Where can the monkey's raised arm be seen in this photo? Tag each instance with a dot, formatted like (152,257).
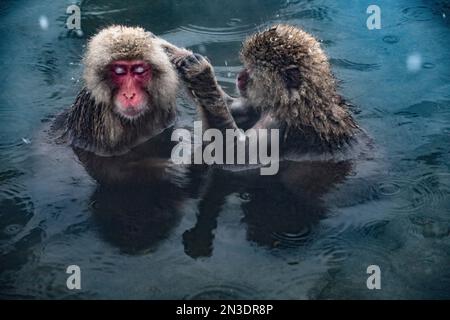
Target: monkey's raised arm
(198,76)
(216,108)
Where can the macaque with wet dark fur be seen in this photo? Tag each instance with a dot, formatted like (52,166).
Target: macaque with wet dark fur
(287,83)
(129,95)
(120,124)
(120,130)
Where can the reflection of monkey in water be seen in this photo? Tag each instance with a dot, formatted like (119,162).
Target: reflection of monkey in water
(287,85)
(273,206)
(120,127)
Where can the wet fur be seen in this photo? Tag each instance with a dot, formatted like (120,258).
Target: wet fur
(292,89)
(92,123)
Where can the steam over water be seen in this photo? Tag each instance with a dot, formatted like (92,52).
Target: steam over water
(265,241)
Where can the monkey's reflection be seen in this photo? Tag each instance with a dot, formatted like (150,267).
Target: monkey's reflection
(138,200)
(287,203)
(136,219)
(140,194)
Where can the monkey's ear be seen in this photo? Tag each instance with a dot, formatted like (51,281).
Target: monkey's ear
(292,77)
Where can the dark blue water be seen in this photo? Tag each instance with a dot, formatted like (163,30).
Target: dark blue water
(393,212)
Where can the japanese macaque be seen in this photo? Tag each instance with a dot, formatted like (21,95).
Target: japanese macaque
(129,95)
(287,83)
(120,128)
(121,123)
(128,102)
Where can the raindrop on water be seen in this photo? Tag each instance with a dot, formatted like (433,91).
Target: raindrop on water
(390,39)
(414,62)
(12,229)
(202,49)
(43,22)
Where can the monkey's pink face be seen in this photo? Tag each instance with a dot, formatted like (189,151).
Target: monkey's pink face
(242,80)
(130,79)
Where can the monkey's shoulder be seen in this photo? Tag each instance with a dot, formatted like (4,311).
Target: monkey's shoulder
(359,146)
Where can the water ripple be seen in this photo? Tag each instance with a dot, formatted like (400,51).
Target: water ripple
(367,239)
(223,34)
(292,240)
(418,13)
(300,10)
(16,209)
(350,65)
(424,268)
(428,227)
(413,194)
(391,39)
(224,292)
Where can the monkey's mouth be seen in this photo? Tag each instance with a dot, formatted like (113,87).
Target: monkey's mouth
(242,81)
(131,112)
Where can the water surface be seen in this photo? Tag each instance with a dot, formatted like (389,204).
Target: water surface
(265,241)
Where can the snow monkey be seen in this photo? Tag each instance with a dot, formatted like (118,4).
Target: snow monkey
(129,94)
(120,128)
(287,83)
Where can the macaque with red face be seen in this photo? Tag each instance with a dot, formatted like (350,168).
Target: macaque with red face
(130,78)
(120,123)
(129,94)
(119,127)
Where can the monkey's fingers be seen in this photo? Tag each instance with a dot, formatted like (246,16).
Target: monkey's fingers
(191,65)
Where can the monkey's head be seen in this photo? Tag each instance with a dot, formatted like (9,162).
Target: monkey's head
(285,64)
(127,70)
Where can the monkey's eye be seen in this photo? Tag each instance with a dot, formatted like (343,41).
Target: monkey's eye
(139,70)
(119,70)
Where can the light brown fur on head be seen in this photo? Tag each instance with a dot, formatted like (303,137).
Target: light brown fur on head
(312,104)
(93,122)
(129,43)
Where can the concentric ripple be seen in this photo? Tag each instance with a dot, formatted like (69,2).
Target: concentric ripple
(224,292)
(418,13)
(391,39)
(292,240)
(225,34)
(15,212)
(428,227)
(414,194)
(366,240)
(350,65)
(302,10)
(425,269)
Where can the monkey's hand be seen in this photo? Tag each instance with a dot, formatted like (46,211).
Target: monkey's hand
(195,70)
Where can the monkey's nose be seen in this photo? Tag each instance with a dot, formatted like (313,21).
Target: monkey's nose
(129,96)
